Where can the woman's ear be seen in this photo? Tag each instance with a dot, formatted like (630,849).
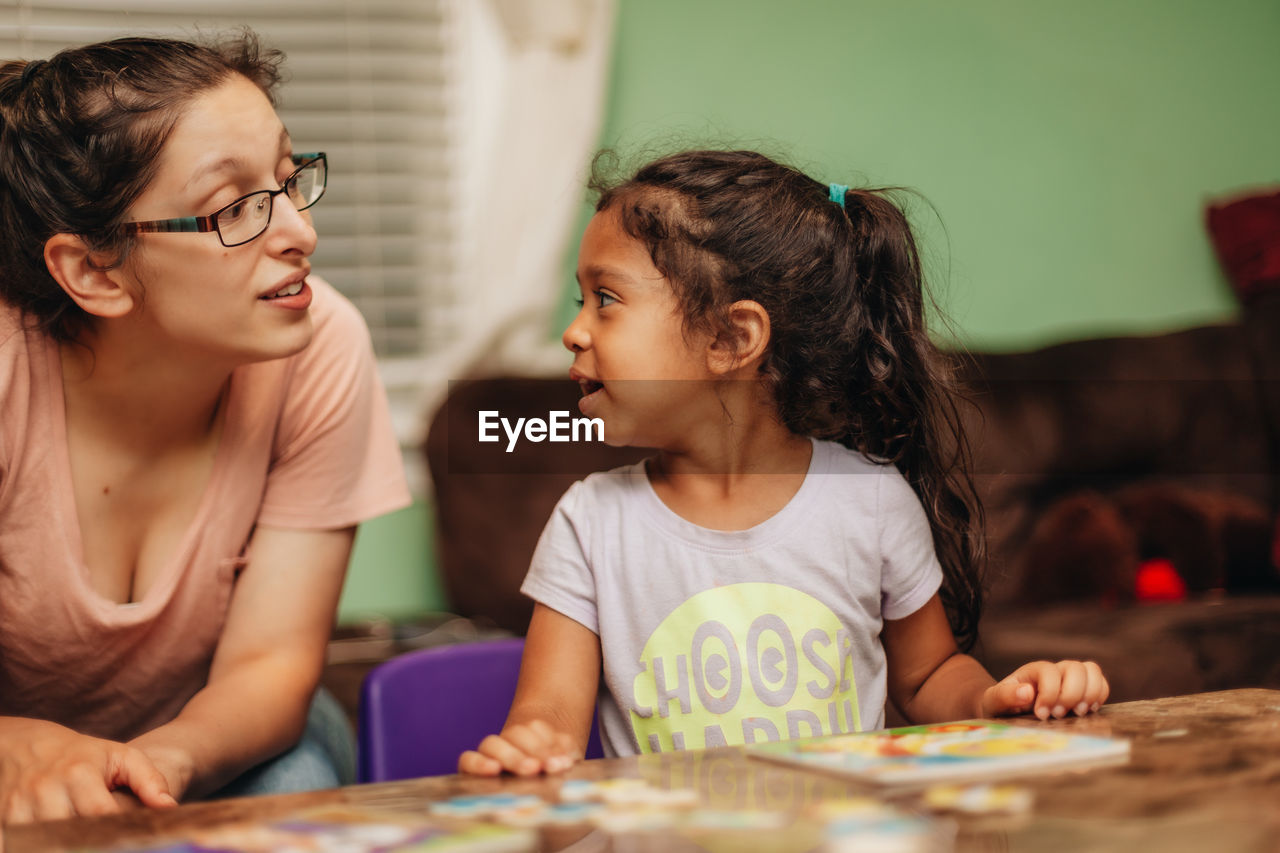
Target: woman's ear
(99,292)
(744,343)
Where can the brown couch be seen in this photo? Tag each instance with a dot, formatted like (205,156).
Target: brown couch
(1092,457)
(1174,435)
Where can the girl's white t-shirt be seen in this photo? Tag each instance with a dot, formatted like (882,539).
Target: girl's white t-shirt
(713,637)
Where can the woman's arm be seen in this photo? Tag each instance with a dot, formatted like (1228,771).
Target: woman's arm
(254,705)
(266,666)
(550,718)
(930,680)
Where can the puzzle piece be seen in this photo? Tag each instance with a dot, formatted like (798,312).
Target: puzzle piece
(867,825)
(484,805)
(550,814)
(343,831)
(635,819)
(979,799)
(577,790)
(882,834)
(623,792)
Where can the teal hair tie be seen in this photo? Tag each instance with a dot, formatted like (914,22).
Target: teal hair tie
(837,193)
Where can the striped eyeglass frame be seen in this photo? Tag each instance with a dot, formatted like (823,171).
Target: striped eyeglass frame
(202,224)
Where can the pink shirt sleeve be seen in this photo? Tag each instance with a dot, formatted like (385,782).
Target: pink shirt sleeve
(336,461)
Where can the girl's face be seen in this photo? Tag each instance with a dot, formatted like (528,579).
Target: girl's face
(638,370)
(194,295)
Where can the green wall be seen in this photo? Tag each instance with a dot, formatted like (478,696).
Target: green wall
(392,572)
(1067,148)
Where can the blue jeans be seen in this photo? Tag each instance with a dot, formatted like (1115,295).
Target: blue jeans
(324,758)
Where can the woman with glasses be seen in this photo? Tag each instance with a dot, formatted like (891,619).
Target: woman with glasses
(191,427)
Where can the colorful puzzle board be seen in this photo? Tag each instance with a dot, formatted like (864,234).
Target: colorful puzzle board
(962,751)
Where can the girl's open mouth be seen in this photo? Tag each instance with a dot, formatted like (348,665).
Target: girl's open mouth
(587,402)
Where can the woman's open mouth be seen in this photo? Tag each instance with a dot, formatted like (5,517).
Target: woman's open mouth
(288,290)
(292,295)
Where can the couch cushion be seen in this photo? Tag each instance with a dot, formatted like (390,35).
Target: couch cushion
(1146,651)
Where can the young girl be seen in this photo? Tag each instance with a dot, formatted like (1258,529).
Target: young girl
(788,561)
(191,427)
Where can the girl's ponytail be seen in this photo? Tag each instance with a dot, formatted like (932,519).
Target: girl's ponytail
(902,395)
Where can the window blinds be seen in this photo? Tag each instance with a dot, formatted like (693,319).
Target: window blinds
(370,82)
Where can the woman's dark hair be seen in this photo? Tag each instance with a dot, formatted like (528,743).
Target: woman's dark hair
(80,137)
(849,359)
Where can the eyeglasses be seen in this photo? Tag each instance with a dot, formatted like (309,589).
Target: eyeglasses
(248,216)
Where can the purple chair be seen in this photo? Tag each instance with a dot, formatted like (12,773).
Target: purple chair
(421,710)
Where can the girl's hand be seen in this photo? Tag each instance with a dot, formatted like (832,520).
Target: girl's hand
(525,749)
(1055,689)
(49,772)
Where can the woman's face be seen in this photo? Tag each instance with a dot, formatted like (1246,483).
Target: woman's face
(195,295)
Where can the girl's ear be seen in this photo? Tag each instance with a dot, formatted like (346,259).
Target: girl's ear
(744,343)
(97,291)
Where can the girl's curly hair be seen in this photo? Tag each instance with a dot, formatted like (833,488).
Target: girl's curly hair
(849,359)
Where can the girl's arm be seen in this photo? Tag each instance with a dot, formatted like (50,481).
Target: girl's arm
(930,680)
(550,719)
(266,666)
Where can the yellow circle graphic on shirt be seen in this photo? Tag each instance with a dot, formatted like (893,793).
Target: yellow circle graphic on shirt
(745,663)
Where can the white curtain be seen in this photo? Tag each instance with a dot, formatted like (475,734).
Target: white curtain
(534,75)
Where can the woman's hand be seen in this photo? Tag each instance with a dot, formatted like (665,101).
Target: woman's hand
(1051,689)
(49,772)
(175,764)
(525,749)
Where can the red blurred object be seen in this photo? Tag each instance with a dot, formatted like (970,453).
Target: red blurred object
(1246,235)
(1158,580)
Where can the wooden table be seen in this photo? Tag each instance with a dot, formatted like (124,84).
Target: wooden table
(1204,774)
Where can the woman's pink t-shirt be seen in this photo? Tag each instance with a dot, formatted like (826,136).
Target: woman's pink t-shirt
(306,444)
